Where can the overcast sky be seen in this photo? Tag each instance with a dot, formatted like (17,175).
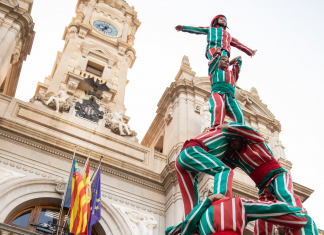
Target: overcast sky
(287,70)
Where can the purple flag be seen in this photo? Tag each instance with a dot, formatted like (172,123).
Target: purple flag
(95,209)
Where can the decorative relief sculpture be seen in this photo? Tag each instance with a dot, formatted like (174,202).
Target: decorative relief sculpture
(277,147)
(6,175)
(242,97)
(169,115)
(205,117)
(139,223)
(206,192)
(15,55)
(254,93)
(60,98)
(115,122)
(72,85)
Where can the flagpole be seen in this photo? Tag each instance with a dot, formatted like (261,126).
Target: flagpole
(63,200)
(95,172)
(90,181)
(85,165)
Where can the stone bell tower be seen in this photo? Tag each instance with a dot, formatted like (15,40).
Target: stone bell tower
(98,43)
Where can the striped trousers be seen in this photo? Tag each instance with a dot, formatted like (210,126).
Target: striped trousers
(234,214)
(224,104)
(281,188)
(189,164)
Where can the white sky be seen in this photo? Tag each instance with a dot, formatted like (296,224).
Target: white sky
(286,70)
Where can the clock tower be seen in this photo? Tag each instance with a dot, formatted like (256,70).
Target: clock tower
(99,44)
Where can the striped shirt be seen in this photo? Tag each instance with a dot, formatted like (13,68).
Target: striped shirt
(221,78)
(218,37)
(215,141)
(255,151)
(231,214)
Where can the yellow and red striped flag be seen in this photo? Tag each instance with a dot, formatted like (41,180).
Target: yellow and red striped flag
(78,201)
(86,215)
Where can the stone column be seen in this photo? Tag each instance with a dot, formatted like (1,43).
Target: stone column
(7,44)
(126,28)
(3,31)
(88,14)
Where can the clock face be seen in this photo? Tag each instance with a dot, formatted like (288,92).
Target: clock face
(105,28)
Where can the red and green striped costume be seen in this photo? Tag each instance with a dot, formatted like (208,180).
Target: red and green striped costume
(201,155)
(222,100)
(230,216)
(217,37)
(257,161)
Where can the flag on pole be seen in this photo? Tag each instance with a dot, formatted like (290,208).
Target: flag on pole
(67,200)
(86,216)
(95,208)
(78,201)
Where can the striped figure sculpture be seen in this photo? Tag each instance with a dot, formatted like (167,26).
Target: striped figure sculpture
(249,151)
(215,216)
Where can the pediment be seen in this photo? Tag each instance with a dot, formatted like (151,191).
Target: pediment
(252,102)
(202,82)
(99,50)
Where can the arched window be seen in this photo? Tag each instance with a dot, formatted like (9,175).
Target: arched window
(40,218)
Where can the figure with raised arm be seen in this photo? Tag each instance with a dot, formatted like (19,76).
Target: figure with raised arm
(218,39)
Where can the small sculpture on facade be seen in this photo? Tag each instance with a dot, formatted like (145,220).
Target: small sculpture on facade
(277,146)
(115,122)
(205,117)
(60,96)
(242,97)
(145,223)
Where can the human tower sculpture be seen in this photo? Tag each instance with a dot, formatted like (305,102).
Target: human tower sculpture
(227,146)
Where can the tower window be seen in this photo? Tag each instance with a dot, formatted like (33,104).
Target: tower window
(94,68)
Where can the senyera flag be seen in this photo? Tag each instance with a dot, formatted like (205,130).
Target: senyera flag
(86,216)
(78,201)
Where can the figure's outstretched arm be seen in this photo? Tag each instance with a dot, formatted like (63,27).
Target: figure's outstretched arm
(240,46)
(190,29)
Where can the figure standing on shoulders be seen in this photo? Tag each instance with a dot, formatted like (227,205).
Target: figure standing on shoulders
(219,40)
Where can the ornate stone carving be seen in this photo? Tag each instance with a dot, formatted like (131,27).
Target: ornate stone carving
(207,191)
(168,116)
(59,100)
(121,50)
(277,147)
(130,57)
(72,85)
(185,61)
(130,39)
(60,187)
(254,93)
(15,55)
(82,33)
(80,14)
(6,175)
(242,97)
(72,31)
(205,117)
(115,122)
(140,223)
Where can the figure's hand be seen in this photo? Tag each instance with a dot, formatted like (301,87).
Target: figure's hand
(254,52)
(233,60)
(179,27)
(216,197)
(225,125)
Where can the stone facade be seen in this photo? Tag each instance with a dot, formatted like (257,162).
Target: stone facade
(16,40)
(140,193)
